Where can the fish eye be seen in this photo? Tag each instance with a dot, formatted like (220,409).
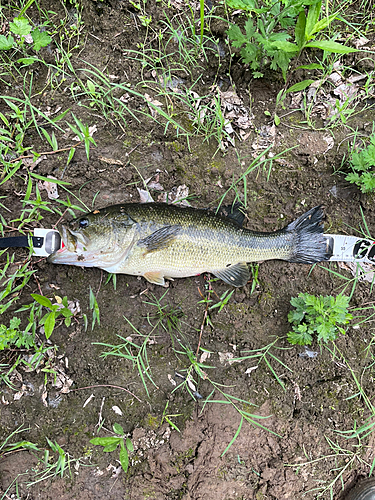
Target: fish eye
(83,223)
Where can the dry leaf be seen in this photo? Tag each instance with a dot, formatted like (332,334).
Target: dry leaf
(144,196)
(111,161)
(50,187)
(117,410)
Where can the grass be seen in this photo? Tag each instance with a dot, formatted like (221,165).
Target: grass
(169,93)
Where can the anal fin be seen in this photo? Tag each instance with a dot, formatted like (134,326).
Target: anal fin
(156,277)
(235,275)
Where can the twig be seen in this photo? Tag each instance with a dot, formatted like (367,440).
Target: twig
(204,319)
(47,152)
(107,385)
(100,414)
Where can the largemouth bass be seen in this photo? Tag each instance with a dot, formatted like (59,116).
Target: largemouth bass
(160,241)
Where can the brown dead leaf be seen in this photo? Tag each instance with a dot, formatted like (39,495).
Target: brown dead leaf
(110,161)
(50,187)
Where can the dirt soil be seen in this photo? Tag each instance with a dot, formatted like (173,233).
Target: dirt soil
(306,397)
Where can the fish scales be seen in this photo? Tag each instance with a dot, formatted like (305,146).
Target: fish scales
(159,241)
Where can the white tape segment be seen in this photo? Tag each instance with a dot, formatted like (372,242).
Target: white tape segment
(351,248)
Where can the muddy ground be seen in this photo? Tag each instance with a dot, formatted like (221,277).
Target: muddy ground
(307,399)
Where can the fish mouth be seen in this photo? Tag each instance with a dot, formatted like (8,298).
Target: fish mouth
(73,250)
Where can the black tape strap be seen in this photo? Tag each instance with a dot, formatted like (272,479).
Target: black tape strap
(21,242)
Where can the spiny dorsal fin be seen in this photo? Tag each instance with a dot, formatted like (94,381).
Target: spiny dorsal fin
(160,239)
(235,275)
(234,212)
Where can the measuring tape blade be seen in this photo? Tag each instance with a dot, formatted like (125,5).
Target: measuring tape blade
(351,248)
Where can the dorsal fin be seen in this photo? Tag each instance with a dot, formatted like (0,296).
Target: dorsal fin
(235,212)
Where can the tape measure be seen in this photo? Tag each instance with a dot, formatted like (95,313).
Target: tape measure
(350,248)
(44,242)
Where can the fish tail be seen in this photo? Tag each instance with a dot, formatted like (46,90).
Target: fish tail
(310,244)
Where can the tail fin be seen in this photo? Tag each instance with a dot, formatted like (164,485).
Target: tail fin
(310,244)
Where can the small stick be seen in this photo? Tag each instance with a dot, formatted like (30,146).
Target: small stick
(204,319)
(107,385)
(47,152)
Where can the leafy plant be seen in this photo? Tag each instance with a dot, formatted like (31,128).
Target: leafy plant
(362,164)
(49,319)
(21,28)
(111,443)
(26,445)
(317,315)
(14,336)
(266,41)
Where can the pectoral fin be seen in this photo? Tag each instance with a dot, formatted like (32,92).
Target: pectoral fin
(156,277)
(160,239)
(235,275)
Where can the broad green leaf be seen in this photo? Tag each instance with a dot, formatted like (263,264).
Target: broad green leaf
(91,86)
(247,5)
(330,46)
(20,26)
(249,28)
(26,61)
(110,447)
(285,46)
(129,444)
(300,29)
(105,441)
(6,43)
(41,39)
(118,429)
(276,120)
(310,66)
(49,324)
(124,458)
(300,86)
(312,18)
(41,299)
(322,24)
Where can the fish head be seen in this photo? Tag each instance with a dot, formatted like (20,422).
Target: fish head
(94,239)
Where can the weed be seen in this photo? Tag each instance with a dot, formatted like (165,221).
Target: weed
(6,446)
(111,443)
(362,164)
(133,352)
(21,28)
(167,417)
(317,315)
(265,354)
(49,319)
(95,309)
(14,336)
(267,41)
(239,405)
(60,467)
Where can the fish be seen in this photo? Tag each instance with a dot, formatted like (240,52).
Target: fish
(161,242)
